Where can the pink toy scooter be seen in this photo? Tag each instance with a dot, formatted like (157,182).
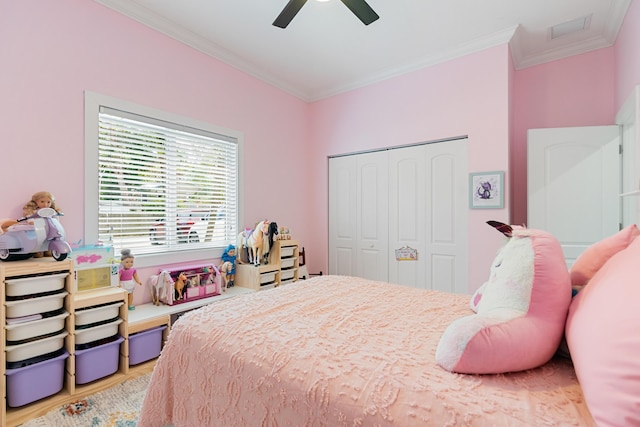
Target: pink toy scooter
(32,234)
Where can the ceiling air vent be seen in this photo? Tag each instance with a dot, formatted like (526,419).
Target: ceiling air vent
(569,27)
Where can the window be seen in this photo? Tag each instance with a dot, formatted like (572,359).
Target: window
(158,183)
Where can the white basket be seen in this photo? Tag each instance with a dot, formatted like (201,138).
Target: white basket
(35,284)
(287,274)
(287,262)
(36,328)
(286,251)
(267,277)
(16,353)
(95,333)
(29,306)
(86,316)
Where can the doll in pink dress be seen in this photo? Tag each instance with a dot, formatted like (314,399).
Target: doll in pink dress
(128,275)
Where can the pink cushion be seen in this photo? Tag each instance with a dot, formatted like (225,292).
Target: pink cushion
(603,334)
(520,315)
(594,257)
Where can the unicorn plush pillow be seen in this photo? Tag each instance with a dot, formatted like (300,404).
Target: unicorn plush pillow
(520,311)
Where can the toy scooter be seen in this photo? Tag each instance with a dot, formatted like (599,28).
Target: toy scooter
(32,234)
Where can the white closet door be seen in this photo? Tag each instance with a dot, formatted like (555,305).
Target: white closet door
(342,215)
(414,196)
(428,212)
(407,207)
(372,208)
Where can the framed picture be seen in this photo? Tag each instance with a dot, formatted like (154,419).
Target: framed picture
(486,190)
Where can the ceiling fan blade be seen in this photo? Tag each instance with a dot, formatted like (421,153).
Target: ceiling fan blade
(290,10)
(362,10)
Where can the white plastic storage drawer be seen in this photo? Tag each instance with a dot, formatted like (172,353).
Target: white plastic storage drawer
(267,277)
(287,262)
(35,284)
(286,251)
(287,274)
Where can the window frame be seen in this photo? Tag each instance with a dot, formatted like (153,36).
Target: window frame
(92,103)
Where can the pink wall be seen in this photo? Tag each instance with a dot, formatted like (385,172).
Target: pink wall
(53,52)
(627,50)
(575,91)
(438,102)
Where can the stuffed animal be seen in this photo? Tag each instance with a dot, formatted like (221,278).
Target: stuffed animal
(520,311)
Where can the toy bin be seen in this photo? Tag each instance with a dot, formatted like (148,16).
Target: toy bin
(35,284)
(97,362)
(145,345)
(35,382)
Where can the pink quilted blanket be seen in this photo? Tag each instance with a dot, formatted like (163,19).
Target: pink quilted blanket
(341,351)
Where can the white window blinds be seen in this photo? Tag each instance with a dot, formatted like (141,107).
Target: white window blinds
(164,187)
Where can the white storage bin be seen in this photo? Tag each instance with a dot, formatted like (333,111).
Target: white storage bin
(287,274)
(287,262)
(89,315)
(267,277)
(16,353)
(36,328)
(286,251)
(35,284)
(29,306)
(95,333)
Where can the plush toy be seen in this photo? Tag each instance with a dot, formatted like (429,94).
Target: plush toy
(520,311)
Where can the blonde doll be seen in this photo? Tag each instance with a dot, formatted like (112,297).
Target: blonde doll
(41,199)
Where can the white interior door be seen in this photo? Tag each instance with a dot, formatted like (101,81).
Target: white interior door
(574,177)
(428,200)
(413,197)
(342,215)
(372,227)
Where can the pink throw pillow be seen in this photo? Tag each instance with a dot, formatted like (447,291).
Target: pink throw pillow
(596,255)
(602,332)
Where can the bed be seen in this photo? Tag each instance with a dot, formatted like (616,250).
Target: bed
(342,351)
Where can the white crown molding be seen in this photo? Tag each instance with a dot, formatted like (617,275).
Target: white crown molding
(477,45)
(566,51)
(152,20)
(613,24)
(511,36)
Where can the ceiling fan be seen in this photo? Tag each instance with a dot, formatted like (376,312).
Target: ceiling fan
(359,7)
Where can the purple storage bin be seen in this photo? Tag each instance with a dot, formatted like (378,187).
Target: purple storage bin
(145,345)
(34,382)
(97,362)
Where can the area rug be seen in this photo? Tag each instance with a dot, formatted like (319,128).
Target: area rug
(118,406)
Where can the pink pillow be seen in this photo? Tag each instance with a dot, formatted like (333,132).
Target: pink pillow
(594,257)
(521,310)
(603,334)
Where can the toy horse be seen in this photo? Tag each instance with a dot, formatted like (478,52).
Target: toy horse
(180,284)
(161,288)
(268,242)
(253,241)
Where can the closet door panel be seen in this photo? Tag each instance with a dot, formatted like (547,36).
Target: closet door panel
(372,216)
(407,226)
(446,216)
(342,215)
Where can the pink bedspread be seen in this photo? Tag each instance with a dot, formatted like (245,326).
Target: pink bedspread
(341,351)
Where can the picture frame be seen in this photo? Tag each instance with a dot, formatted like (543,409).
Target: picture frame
(486,190)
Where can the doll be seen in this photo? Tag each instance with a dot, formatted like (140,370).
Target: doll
(41,199)
(128,275)
(228,266)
